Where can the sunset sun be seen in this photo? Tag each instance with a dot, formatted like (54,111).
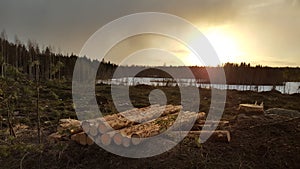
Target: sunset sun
(225,45)
(223,41)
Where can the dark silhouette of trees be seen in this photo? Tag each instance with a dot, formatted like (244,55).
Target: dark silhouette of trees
(56,66)
(4,52)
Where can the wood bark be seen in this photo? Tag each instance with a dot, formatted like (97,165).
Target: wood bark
(138,117)
(69,126)
(128,133)
(82,138)
(153,128)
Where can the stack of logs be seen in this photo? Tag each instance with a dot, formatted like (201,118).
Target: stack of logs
(129,128)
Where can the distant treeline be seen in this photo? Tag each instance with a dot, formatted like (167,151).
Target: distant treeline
(35,62)
(235,73)
(44,64)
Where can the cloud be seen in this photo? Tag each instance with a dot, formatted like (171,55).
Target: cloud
(267,27)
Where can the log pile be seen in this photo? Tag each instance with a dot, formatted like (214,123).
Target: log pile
(131,127)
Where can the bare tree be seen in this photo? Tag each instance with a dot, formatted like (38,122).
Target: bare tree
(36,64)
(18,43)
(4,52)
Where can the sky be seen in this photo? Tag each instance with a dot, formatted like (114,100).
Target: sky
(265,32)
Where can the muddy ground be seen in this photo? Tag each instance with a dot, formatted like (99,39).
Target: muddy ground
(256,142)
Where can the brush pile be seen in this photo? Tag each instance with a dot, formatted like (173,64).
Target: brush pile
(131,127)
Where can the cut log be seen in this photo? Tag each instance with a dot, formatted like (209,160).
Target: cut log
(149,132)
(82,138)
(68,127)
(93,130)
(126,141)
(75,138)
(251,109)
(106,138)
(97,140)
(103,128)
(151,114)
(135,139)
(89,141)
(85,126)
(120,115)
(118,138)
(140,117)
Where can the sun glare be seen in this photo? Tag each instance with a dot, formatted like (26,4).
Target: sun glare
(224,44)
(192,59)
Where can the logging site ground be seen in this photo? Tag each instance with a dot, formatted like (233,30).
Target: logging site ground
(257,141)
